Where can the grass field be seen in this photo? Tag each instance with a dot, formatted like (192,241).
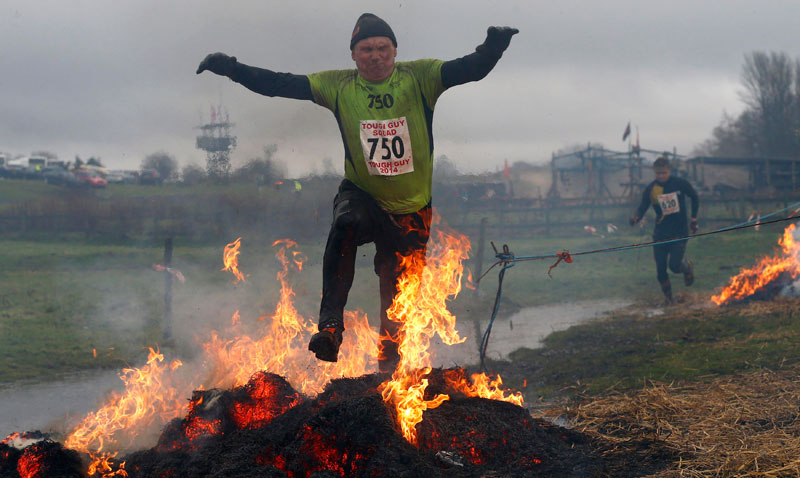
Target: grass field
(687,343)
(74,301)
(65,299)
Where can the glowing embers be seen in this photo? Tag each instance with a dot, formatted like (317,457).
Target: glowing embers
(348,430)
(215,412)
(43,459)
(265,397)
(765,278)
(486,434)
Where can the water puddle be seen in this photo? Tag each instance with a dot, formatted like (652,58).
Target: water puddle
(525,328)
(37,406)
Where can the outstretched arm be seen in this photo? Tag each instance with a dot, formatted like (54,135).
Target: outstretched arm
(643,205)
(478,64)
(259,80)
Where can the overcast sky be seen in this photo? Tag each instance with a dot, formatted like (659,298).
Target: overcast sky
(116,79)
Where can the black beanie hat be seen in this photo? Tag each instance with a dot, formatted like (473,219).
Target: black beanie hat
(369,25)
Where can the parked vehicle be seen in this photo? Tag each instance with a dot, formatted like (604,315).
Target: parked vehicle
(90,178)
(149,176)
(30,162)
(12,171)
(26,167)
(120,177)
(61,177)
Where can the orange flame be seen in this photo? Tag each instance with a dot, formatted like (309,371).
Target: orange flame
(232,357)
(230,257)
(421,307)
(751,280)
(152,394)
(282,349)
(481,386)
(144,400)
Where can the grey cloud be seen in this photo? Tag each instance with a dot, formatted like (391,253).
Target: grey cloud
(116,79)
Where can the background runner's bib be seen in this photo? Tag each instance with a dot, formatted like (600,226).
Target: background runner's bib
(387,147)
(669,203)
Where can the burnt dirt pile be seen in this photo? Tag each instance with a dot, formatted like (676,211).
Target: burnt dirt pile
(267,429)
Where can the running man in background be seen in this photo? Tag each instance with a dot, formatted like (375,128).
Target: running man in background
(667,194)
(385,115)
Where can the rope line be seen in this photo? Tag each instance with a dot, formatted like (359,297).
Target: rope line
(509,260)
(626,247)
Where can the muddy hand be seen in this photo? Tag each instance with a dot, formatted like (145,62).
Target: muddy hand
(218,63)
(498,38)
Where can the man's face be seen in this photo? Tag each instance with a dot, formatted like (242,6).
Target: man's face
(662,174)
(374,57)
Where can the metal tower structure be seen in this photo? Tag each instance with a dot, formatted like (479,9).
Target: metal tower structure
(216,140)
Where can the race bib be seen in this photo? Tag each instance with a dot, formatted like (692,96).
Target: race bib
(669,203)
(387,147)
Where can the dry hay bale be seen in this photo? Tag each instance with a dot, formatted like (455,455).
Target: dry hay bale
(745,425)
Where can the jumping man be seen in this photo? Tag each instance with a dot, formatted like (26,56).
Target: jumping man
(667,194)
(385,115)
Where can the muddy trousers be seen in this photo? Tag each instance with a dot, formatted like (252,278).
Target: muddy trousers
(357,220)
(668,256)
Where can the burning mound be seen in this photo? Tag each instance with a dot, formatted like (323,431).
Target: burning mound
(764,280)
(267,429)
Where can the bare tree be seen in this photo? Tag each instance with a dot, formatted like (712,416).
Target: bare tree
(734,137)
(770,93)
(164,163)
(443,167)
(328,169)
(770,123)
(94,161)
(192,174)
(264,170)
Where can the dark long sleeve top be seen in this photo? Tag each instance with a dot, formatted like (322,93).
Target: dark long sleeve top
(472,67)
(669,203)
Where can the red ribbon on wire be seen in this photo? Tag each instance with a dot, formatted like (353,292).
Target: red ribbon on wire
(562,256)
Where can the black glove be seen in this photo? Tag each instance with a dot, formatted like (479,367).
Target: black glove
(633,220)
(693,225)
(218,63)
(498,38)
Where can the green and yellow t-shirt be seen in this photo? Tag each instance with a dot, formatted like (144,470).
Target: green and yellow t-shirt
(387,129)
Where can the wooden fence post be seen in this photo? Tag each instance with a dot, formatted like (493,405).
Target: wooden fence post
(167,325)
(476,271)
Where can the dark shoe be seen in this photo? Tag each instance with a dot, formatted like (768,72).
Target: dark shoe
(666,288)
(325,344)
(688,273)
